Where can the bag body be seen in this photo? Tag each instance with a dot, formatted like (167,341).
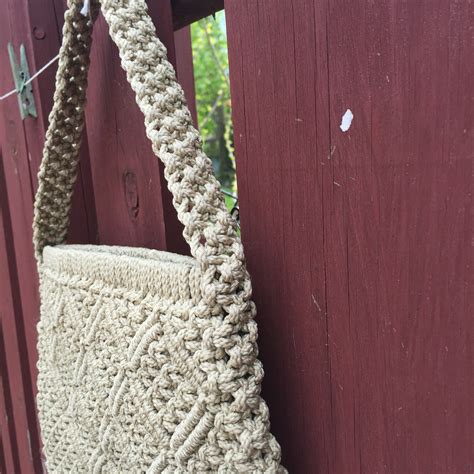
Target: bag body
(147,359)
(127,381)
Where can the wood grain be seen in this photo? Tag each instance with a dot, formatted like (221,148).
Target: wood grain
(358,242)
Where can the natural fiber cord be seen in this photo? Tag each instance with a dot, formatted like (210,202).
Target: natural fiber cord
(147,360)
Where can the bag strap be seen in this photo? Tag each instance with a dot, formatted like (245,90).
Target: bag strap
(59,166)
(209,229)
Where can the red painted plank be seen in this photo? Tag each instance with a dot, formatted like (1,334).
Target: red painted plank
(17,184)
(18,417)
(280,191)
(18,181)
(404,242)
(132,202)
(358,242)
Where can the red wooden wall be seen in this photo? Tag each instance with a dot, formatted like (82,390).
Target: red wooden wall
(358,242)
(120,195)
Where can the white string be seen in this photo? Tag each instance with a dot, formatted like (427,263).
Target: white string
(8,94)
(34,76)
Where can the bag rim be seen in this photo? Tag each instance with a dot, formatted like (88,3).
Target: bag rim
(139,270)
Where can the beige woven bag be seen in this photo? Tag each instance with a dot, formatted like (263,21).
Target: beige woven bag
(147,360)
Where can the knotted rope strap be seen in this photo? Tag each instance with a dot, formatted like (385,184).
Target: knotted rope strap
(59,165)
(208,228)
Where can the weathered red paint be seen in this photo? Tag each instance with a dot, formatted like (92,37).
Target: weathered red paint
(18,414)
(358,242)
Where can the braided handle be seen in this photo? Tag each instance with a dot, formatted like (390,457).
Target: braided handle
(208,228)
(59,166)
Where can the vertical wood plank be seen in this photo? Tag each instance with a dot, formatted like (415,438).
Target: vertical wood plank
(357,241)
(17,184)
(279,144)
(19,426)
(395,179)
(15,157)
(132,201)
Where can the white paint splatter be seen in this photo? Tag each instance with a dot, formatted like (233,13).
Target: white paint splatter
(346,120)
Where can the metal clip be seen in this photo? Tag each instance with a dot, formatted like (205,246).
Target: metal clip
(24,90)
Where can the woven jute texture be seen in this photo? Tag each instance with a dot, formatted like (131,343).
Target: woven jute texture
(147,360)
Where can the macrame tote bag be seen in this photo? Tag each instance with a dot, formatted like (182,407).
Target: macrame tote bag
(147,360)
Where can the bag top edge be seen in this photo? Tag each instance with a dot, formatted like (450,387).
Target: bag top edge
(113,251)
(165,274)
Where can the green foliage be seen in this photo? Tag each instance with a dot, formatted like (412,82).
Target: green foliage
(211,71)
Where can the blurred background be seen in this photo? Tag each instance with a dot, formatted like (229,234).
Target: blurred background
(211,72)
